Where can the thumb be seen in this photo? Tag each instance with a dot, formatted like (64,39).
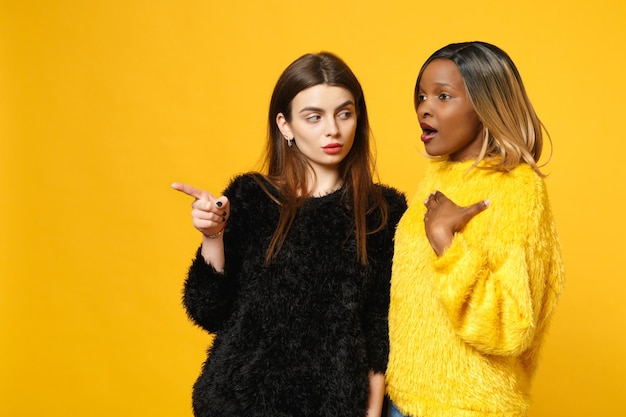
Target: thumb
(476,208)
(223,204)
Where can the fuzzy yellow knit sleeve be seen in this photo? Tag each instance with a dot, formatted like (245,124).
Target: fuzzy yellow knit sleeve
(491,281)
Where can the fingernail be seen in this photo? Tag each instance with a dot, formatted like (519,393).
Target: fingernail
(219,204)
(487,202)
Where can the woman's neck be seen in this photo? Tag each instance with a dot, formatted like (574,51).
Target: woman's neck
(324,184)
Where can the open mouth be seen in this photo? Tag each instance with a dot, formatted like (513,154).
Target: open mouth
(428,132)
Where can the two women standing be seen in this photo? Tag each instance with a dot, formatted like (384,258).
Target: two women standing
(293,274)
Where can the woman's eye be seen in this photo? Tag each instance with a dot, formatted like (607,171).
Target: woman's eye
(345,114)
(421,98)
(313,118)
(444,96)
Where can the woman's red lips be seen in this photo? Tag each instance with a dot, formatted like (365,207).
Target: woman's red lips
(332,148)
(428,132)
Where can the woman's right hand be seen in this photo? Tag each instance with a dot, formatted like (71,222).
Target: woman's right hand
(443,218)
(209,214)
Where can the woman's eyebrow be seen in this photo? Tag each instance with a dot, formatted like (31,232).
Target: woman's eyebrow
(319,109)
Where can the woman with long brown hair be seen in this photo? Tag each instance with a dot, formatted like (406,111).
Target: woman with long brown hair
(293,272)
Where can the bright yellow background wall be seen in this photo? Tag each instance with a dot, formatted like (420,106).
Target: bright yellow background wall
(104,103)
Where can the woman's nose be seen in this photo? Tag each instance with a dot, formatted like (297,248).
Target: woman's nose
(332,128)
(423,110)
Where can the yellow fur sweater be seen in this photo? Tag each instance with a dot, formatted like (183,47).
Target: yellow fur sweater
(466,327)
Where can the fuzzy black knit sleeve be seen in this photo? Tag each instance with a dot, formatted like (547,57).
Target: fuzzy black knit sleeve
(208,296)
(380,255)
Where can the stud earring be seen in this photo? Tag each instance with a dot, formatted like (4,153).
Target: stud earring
(289,142)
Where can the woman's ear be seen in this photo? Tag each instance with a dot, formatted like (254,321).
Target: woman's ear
(283,125)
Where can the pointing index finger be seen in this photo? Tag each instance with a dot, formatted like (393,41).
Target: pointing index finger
(193,191)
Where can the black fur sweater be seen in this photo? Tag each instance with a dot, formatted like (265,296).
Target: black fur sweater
(299,336)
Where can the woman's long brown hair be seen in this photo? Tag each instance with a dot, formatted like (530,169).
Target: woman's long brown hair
(287,168)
